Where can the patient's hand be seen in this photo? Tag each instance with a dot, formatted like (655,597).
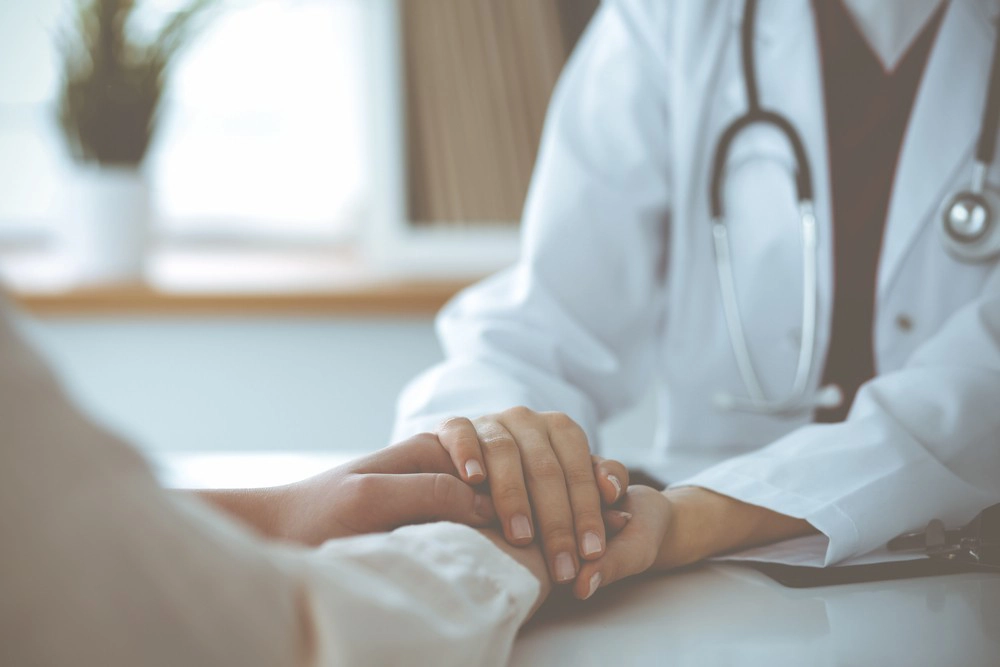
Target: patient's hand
(680,526)
(411,482)
(543,480)
(636,548)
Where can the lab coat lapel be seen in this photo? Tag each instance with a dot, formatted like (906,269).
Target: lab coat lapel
(940,138)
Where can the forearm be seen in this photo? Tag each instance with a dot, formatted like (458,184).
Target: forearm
(260,509)
(705,524)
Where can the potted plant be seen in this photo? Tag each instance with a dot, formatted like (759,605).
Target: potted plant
(114,75)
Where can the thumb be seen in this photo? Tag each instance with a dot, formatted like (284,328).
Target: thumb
(419,454)
(398,500)
(615,521)
(627,554)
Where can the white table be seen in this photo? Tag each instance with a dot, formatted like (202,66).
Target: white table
(729,615)
(716,614)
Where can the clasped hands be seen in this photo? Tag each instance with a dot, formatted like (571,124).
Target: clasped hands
(562,512)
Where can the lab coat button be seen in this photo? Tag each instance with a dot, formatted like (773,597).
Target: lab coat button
(903,322)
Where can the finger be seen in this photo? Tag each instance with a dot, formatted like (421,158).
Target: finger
(389,501)
(612,479)
(627,554)
(546,485)
(422,453)
(569,443)
(615,521)
(506,480)
(458,436)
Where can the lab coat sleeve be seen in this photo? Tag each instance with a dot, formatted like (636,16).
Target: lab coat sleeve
(571,326)
(920,442)
(100,566)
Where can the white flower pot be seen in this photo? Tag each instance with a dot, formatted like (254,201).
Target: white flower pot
(109,213)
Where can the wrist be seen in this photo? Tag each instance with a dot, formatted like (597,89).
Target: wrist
(260,509)
(705,524)
(686,538)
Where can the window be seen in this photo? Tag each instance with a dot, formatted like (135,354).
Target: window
(31,156)
(290,124)
(262,130)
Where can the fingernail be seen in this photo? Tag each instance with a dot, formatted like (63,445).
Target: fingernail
(520,527)
(473,469)
(564,567)
(477,506)
(595,581)
(591,544)
(625,515)
(615,482)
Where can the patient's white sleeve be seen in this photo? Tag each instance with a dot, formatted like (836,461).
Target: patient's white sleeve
(99,566)
(439,594)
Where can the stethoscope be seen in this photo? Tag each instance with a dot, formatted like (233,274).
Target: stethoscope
(967,224)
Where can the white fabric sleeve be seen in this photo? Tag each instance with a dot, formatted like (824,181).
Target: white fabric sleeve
(554,333)
(101,567)
(919,443)
(437,594)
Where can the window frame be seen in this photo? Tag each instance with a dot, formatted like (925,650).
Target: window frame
(390,241)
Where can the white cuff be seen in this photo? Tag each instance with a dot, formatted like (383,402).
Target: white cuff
(826,518)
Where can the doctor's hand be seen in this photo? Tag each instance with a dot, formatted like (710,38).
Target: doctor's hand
(410,482)
(542,479)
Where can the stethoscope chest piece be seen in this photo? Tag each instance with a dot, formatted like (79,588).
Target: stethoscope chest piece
(967,223)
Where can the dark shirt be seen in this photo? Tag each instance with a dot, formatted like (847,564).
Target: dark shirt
(867,111)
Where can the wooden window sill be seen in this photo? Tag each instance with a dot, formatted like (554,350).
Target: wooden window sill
(410,298)
(214,282)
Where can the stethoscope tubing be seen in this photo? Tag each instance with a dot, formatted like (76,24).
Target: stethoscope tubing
(966,248)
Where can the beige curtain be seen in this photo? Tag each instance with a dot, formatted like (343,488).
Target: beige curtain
(479,74)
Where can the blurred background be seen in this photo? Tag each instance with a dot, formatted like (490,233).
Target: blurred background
(231,222)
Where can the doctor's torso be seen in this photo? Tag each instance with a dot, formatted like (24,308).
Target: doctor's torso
(617,287)
(918,286)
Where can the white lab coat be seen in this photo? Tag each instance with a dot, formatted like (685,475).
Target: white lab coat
(616,287)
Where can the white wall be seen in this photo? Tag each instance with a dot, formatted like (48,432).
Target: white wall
(254,384)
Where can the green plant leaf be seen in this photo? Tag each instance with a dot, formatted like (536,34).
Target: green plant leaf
(113,83)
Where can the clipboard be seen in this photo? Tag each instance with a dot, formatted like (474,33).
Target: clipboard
(801,576)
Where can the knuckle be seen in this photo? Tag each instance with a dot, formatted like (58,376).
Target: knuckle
(558,535)
(444,491)
(580,478)
(454,423)
(560,421)
(423,441)
(588,519)
(568,431)
(508,495)
(466,442)
(500,443)
(485,420)
(545,470)
(520,412)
